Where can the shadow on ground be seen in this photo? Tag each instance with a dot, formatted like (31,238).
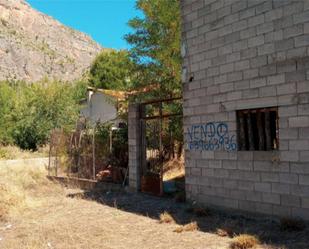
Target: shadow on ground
(267,230)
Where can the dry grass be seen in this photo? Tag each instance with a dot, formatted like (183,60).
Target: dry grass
(166,218)
(174,169)
(13,152)
(10,201)
(290,224)
(16,184)
(225,232)
(187,228)
(244,241)
(42,216)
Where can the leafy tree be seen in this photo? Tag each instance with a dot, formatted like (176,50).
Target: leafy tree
(28,112)
(6,107)
(79,90)
(111,70)
(40,108)
(155,45)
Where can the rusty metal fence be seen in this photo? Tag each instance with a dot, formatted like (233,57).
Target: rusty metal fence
(161,140)
(87,153)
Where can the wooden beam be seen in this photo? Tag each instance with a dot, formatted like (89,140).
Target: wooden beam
(162,116)
(156,101)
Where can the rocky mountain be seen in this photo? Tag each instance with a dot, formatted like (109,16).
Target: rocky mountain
(34,45)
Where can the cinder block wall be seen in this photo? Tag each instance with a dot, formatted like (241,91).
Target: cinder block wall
(240,55)
(134,146)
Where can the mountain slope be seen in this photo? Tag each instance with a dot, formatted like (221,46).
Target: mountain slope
(34,45)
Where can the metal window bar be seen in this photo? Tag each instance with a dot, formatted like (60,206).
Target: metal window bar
(258,129)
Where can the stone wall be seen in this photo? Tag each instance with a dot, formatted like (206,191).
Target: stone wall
(241,55)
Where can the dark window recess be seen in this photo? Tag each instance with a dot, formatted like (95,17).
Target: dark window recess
(257,129)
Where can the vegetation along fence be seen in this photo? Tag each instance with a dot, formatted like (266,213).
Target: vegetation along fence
(98,153)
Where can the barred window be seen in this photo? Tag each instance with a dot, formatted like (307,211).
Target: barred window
(257,129)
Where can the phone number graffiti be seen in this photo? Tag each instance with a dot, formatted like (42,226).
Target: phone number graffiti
(211,136)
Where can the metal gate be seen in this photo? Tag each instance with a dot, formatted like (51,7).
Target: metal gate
(161,136)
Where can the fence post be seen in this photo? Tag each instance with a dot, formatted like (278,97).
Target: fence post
(93,152)
(49,155)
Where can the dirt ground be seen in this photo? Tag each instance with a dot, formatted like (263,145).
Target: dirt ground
(77,223)
(61,218)
(127,221)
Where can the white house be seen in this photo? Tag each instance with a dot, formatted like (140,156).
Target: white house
(101,105)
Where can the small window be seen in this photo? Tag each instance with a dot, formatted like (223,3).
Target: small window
(257,129)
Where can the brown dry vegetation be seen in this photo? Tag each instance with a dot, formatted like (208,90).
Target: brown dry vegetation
(13,152)
(36,213)
(166,218)
(244,241)
(18,189)
(225,232)
(192,226)
(174,169)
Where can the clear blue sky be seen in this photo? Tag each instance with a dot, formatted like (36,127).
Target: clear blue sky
(104,20)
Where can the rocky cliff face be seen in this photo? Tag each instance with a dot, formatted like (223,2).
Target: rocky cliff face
(34,45)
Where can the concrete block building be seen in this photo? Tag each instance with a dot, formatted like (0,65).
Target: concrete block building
(246,104)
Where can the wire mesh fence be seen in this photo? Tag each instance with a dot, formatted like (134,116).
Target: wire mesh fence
(97,153)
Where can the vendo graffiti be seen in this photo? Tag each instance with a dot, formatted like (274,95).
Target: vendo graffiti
(211,136)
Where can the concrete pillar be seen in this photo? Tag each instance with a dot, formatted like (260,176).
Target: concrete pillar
(134,135)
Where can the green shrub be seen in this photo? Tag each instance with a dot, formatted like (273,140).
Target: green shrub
(30,111)
(120,146)
(6,108)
